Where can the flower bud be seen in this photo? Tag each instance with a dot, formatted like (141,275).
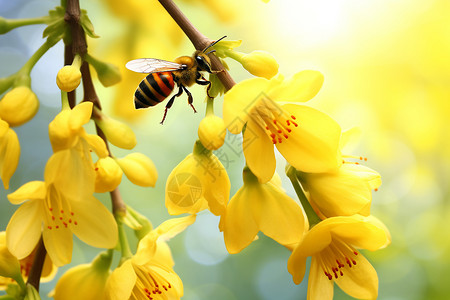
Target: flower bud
(9,153)
(139,169)
(107,73)
(18,106)
(86,281)
(68,78)
(118,133)
(211,132)
(9,264)
(260,63)
(108,175)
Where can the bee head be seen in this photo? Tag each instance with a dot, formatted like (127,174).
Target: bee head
(203,61)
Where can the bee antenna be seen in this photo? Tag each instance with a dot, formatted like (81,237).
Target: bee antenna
(213,43)
(210,51)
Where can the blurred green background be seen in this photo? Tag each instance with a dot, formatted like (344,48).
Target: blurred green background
(387,70)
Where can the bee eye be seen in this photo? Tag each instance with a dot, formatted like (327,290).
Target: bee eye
(202,64)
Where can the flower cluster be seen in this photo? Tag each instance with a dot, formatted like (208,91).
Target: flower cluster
(332,220)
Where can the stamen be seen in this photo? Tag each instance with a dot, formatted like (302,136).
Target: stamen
(331,259)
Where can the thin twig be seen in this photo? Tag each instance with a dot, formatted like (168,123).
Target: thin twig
(199,41)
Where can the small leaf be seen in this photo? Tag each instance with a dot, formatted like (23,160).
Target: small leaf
(87,24)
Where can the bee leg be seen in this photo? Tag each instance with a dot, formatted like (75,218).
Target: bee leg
(190,98)
(205,82)
(169,104)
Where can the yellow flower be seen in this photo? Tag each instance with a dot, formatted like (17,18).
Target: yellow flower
(9,152)
(261,207)
(260,63)
(85,281)
(211,132)
(69,77)
(108,175)
(139,169)
(307,138)
(196,183)
(331,245)
(18,106)
(57,214)
(149,274)
(345,192)
(66,130)
(119,134)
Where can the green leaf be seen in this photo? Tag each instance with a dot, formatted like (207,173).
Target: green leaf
(87,24)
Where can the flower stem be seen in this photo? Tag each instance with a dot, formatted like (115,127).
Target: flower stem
(10,24)
(123,242)
(209,106)
(313,219)
(199,41)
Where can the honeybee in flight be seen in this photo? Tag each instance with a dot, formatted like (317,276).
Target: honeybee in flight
(162,76)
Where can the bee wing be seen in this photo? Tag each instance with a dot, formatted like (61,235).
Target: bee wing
(152,65)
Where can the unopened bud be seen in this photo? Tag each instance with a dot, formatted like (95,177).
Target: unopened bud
(18,106)
(108,175)
(69,77)
(260,63)
(139,169)
(118,133)
(107,73)
(211,132)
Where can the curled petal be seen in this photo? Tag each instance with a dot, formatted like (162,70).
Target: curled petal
(9,156)
(32,190)
(80,115)
(121,282)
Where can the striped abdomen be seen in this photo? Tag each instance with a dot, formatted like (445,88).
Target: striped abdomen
(153,89)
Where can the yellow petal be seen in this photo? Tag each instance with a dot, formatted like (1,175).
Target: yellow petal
(319,286)
(97,144)
(260,63)
(9,265)
(96,225)
(61,137)
(24,229)
(361,280)
(59,244)
(165,231)
(239,228)
(302,87)
(80,115)
(278,215)
(121,282)
(32,190)
(341,193)
(258,151)
(313,145)
(239,101)
(297,267)
(9,156)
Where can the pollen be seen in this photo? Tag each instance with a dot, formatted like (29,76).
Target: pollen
(279,129)
(336,259)
(150,285)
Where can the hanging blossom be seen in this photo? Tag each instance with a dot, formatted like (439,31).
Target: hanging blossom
(198,182)
(63,204)
(345,191)
(332,245)
(270,109)
(261,207)
(149,273)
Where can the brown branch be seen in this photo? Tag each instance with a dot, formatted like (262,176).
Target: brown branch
(34,277)
(199,41)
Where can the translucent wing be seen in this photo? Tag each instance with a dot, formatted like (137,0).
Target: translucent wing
(152,65)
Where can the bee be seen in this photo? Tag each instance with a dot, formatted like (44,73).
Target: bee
(162,76)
